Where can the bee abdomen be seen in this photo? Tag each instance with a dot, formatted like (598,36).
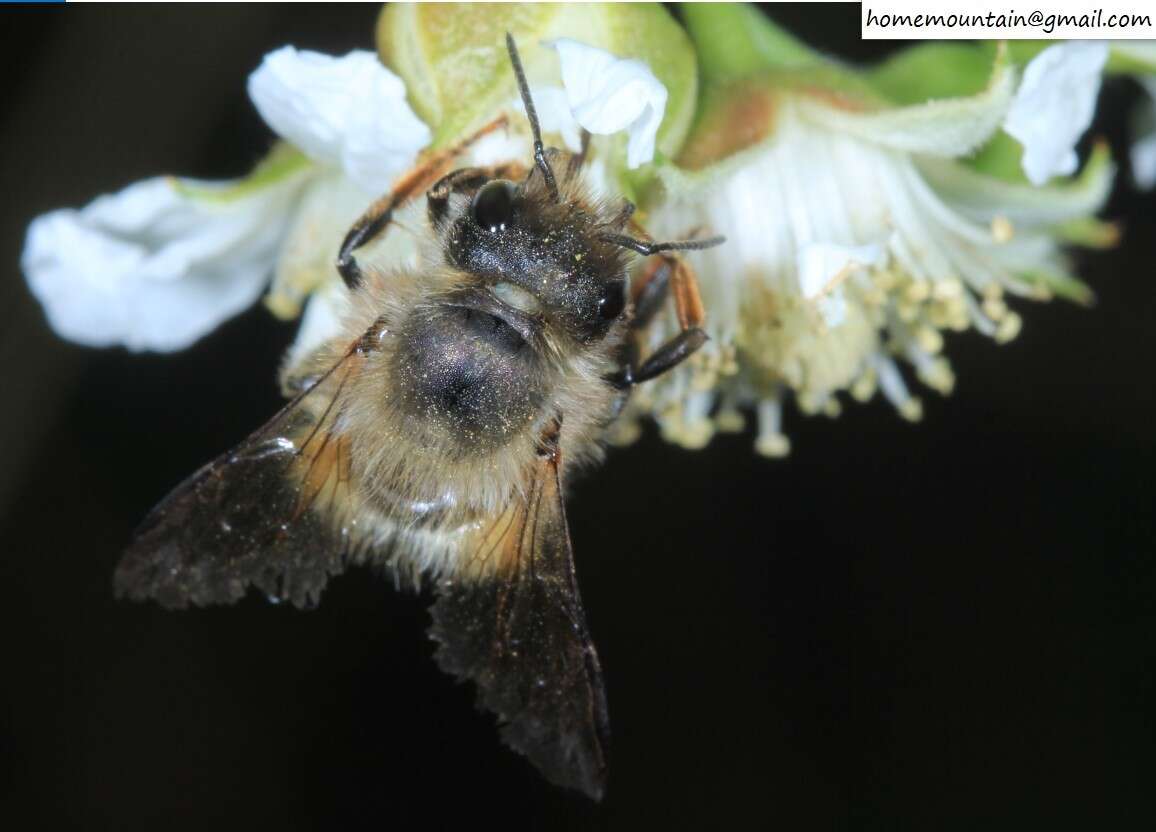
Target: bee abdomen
(468,375)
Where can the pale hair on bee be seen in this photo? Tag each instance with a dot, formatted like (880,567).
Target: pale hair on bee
(433,435)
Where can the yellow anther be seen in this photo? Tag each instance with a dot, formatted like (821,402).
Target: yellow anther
(917,291)
(1002,229)
(911,410)
(929,339)
(1008,328)
(864,387)
(773,445)
(730,420)
(995,308)
(947,289)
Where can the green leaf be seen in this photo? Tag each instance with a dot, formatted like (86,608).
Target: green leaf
(453,59)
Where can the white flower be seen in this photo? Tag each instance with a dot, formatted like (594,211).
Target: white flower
(320,321)
(151,267)
(607,94)
(846,254)
(1143,153)
(161,263)
(554,114)
(1054,106)
(348,112)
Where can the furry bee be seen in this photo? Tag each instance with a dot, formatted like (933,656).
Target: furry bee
(434,435)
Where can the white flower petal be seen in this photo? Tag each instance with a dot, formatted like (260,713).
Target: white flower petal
(150,268)
(497,148)
(350,112)
(1054,106)
(823,268)
(608,94)
(554,115)
(801,207)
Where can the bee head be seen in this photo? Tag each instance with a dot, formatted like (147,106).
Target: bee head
(543,245)
(539,243)
(545,258)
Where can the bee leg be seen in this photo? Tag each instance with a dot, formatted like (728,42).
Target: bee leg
(687,300)
(669,355)
(375,219)
(462,179)
(652,291)
(669,273)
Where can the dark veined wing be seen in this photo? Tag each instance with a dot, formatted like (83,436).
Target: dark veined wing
(267,514)
(513,623)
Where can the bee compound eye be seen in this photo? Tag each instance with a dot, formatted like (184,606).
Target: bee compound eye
(612,301)
(493,206)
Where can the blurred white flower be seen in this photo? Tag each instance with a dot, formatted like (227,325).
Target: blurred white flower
(1054,105)
(1143,152)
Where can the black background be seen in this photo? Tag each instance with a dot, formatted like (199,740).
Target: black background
(947,625)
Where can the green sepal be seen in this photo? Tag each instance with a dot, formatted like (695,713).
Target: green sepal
(1052,206)
(283,161)
(932,71)
(453,59)
(1124,57)
(935,71)
(1088,232)
(1132,58)
(735,40)
(1000,158)
(1059,284)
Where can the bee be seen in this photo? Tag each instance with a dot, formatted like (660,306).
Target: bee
(434,435)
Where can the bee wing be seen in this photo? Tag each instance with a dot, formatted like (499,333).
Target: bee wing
(519,631)
(265,514)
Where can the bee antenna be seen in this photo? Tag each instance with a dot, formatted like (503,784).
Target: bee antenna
(532,114)
(646,248)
